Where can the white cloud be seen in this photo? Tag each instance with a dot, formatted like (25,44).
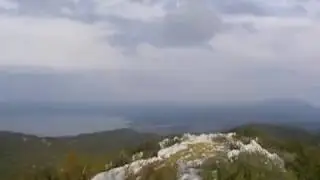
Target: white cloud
(54,42)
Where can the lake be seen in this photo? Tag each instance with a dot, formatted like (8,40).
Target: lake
(59,121)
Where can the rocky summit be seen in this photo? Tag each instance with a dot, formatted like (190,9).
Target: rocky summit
(197,157)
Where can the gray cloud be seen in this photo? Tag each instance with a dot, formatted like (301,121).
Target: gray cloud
(81,9)
(258,8)
(192,25)
(249,7)
(239,7)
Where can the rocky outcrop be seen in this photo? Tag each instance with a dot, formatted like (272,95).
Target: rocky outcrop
(188,153)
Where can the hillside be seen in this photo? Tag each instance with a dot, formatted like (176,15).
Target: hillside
(24,154)
(277,132)
(253,151)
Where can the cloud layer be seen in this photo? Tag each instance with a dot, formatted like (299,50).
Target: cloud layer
(159,50)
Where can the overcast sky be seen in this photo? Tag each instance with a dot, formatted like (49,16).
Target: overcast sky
(159,50)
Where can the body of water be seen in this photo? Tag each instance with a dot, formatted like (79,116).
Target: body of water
(60,124)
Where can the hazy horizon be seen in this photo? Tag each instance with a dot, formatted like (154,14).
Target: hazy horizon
(61,119)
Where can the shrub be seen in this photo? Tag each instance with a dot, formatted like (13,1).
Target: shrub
(245,167)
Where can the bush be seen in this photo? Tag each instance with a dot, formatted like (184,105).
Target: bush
(245,167)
